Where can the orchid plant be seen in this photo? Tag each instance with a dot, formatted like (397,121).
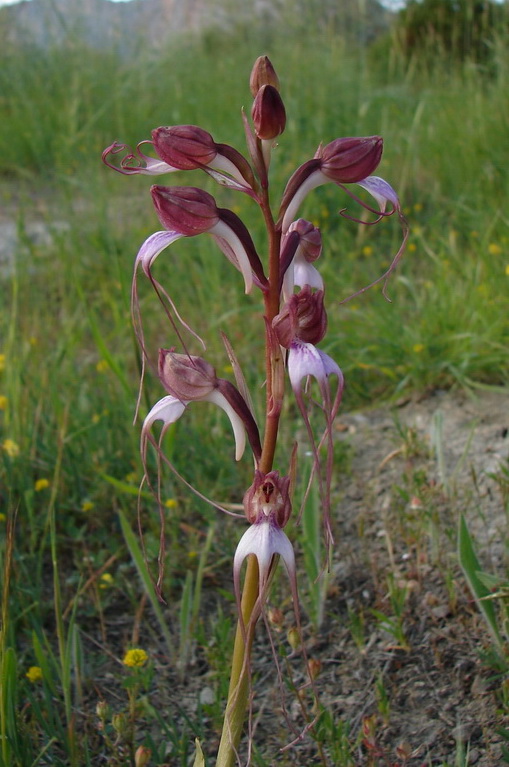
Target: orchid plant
(294,323)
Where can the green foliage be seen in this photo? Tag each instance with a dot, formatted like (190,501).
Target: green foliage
(461,29)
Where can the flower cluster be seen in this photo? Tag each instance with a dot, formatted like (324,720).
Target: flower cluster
(289,284)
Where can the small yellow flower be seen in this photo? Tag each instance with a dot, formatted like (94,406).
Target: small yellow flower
(507,270)
(228,369)
(33,341)
(418,348)
(135,658)
(41,484)
(2,362)
(494,249)
(367,250)
(11,448)
(96,418)
(412,247)
(87,506)
(2,517)
(417,207)
(102,366)
(34,674)
(3,402)
(106,580)
(171,503)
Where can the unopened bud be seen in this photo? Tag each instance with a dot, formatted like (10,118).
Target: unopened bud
(262,73)
(102,710)
(348,160)
(276,617)
(314,667)
(185,209)
(186,377)
(303,317)
(142,756)
(268,496)
(268,113)
(185,147)
(119,723)
(293,637)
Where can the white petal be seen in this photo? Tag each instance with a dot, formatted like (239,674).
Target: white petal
(152,246)
(239,431)
(381,191)
(317,178)
(222,231)
(168,409)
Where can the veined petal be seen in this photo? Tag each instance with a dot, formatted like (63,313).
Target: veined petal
(151,248)
(304,360)
(237,424)
(381,191)
(264,539)
(234,252)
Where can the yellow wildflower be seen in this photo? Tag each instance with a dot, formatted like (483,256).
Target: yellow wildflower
(2,362)
(41,484)
(3,402)
(87,506)
(102,366)
(494,249)
(106,580)
(135,658)
(418,348)
(412,247)
(171,503)
(34,674)
(367,250)
(2,517)
(507,270)
(11,448)
(417,207)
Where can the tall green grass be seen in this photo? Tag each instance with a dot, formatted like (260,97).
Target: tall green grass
(70,362)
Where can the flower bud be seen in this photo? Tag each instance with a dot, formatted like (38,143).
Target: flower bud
(348,160)
(186,377)
(268,497)
(303,317)
(185,209)
(142,756)
(185,147)
(262,73)
(102,710)
(314,667)
(294,638)
(268,113)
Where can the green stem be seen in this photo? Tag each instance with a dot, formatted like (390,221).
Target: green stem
(238,694)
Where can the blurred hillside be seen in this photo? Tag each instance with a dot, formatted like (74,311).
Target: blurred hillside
(103,24)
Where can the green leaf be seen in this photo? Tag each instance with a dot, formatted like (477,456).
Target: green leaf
(199,759)
(470,566)
(139,561)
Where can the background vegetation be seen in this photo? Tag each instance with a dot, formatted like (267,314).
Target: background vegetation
(76,594)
